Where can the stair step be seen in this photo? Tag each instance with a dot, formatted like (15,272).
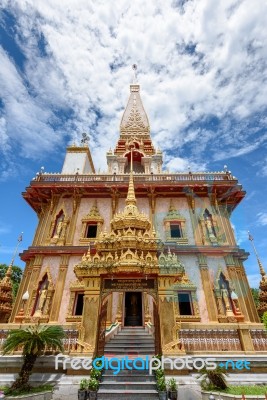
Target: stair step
(127,395)
(125,350)
(129,378)
(129,345)
(128,385)
(132,373)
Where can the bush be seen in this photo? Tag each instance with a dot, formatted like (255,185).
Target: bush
(93,385)
(161,384)
(172,385)
(84,384)
(95,373)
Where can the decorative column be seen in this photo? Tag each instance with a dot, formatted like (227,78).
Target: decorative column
(246,291)
(236,284)
(42,216)
(73,220)
(119,309)
(30,279)
(24,284)
(146,162)
(208,289)
(169,327)
(122,162)
(109,310)
(89,324)
(246,341)
(60,283)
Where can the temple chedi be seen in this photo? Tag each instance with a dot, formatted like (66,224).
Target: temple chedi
(6,296)
(137,246)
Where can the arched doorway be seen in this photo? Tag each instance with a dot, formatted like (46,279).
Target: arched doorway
(131,308)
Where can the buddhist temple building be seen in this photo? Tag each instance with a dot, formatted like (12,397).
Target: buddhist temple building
(137,246)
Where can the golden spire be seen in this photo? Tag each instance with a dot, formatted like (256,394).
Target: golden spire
(6,297)
(134,120)
(262,272)
(131,200)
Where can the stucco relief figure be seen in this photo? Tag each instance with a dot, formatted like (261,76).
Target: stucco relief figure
(225,296)
(42,299)
(134,307)
(209,227)
(219,306)
(59,226)
(59,229)
(235,301)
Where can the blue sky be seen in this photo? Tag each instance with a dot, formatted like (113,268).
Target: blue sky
(65,68)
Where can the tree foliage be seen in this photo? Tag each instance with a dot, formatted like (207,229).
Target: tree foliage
(33,340)
(213,378)
(255,294)
(264,319)
(15,278)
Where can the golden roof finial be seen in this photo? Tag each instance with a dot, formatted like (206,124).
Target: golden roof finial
(131,193)
(262,272)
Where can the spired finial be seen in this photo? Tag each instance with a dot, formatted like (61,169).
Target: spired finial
(262,272)
(134,73)
(131,193)
(16,249)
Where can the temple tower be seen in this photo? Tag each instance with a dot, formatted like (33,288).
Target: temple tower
(137,245)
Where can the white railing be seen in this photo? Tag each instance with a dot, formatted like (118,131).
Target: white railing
(164,177)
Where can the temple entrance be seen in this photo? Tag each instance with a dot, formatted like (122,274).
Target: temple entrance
(133,315)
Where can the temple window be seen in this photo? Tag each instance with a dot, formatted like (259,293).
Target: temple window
(185,303)
(78,306)
(174,226)
(91,231)
(176,230)
(91,224)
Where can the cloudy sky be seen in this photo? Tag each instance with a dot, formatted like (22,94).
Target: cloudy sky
(65,68)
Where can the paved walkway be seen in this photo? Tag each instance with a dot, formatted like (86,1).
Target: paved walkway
(188,392)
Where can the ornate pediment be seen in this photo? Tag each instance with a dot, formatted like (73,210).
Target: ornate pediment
(173,214)
(169,263)
(93,215)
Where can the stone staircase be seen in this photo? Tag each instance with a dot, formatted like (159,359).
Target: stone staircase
(129,384)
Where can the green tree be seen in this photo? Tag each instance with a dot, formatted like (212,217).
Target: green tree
(16,276)
(264,319)
(255,294)
(33,340)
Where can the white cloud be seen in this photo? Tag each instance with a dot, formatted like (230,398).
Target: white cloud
(262,218)
(199,61)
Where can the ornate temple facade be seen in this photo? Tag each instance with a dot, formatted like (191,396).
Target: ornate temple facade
(137,246)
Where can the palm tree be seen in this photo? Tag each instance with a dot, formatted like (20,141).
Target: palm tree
(33,340)
(214,378)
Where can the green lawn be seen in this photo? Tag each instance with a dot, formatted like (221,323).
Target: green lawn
(42,388)
(243,389)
